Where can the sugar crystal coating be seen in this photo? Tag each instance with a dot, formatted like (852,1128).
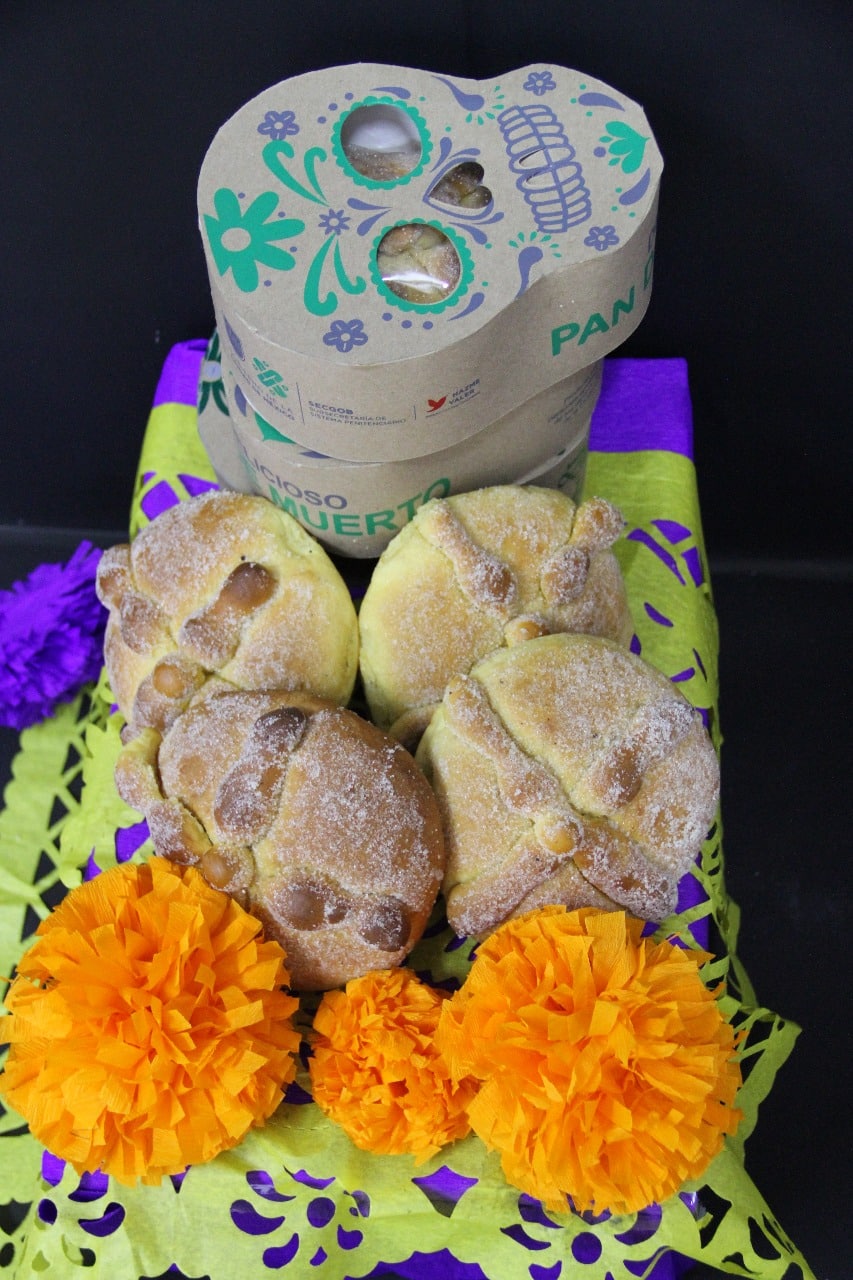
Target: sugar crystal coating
(223,584)
(321,824)
(477,572)
(567,770)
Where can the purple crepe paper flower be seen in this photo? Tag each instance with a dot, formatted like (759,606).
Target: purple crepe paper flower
(51,638)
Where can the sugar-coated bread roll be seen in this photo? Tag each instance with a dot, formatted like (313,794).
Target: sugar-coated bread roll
(568,770)
(480,571)
(224,583)
(318,822)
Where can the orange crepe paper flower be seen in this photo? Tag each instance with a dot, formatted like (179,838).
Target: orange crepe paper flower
(375,1070)
(148,1027)
(607,1069)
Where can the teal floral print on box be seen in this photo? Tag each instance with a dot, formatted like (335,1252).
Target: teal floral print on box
(269,432)
(277,152)
(240,238)
(327,303)
(626,146)
(210,384)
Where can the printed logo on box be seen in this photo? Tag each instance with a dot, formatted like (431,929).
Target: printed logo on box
(452,399)
(270,378)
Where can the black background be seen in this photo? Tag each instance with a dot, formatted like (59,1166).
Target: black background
(106,111)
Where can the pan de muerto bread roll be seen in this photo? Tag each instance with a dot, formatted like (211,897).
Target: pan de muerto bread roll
(319,823)
(477,572)
(567,771)
(224,583)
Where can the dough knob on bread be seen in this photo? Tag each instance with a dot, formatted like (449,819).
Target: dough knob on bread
(480,571)
(223,584)
(318,822)
(567,770)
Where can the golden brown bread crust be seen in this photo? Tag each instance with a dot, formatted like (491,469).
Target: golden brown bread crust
(475,572)
(223,583)
(567,770)
(318,822)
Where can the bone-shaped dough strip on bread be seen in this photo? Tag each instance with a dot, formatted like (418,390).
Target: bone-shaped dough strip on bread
(247,797)
(597,525)
(619,867)
(478,571)
(212,634)
(143,623)
(612,862)
(564,574)
(176,833)
(114,576)
(227,584)
(616,777)
(526,785)
(526,879)
(480,905)
(166,690)
(482,576)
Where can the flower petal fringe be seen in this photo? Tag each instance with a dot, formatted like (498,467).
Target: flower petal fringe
(606,1070)
(52,624)
(149,1030)
(375,1070)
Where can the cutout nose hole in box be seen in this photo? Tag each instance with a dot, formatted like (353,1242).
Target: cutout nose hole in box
(418,263)
(381,141)
(462,187)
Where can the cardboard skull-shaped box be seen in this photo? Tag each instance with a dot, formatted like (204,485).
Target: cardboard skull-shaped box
(398,258)
(403,262)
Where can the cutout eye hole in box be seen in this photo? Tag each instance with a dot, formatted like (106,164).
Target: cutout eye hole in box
(418,263)
(382,142)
